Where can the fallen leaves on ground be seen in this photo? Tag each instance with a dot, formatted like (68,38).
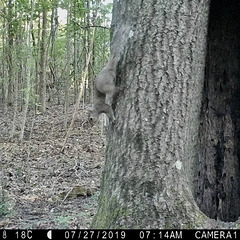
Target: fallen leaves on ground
(41,186)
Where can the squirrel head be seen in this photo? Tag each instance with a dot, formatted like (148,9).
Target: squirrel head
(93,117)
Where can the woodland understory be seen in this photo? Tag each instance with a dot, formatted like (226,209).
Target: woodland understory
(50,52)
(43,187)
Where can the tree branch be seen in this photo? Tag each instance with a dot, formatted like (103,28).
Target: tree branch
(90,26)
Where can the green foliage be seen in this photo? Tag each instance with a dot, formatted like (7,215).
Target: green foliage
(21,25)
(63,221)
(6,207)
(3,209)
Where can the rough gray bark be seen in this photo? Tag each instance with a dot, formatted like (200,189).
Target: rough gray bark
(149,148)
(218,192)
(153,147)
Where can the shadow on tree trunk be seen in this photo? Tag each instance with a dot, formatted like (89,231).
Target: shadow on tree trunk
(218,174)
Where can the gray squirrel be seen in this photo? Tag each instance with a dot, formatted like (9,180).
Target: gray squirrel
(104,84)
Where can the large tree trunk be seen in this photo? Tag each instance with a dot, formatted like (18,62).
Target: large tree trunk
(218,192)
(153,148)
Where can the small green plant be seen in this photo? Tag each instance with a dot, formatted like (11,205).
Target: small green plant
(63,221)
(94,198)
(5,207)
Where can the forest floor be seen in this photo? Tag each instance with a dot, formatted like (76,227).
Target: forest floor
(41,187)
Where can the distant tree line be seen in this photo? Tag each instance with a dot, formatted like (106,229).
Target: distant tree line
(42,60)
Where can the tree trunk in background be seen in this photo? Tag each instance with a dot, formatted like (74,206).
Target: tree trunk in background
(218,193)
(68,62)
(87,40)
(3,63)
(43,61)
(28,70)
(10,52)
(53,58)
(36,45)
(147,180)
(76,44)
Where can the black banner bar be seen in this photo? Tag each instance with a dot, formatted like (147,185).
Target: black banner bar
(87,234)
